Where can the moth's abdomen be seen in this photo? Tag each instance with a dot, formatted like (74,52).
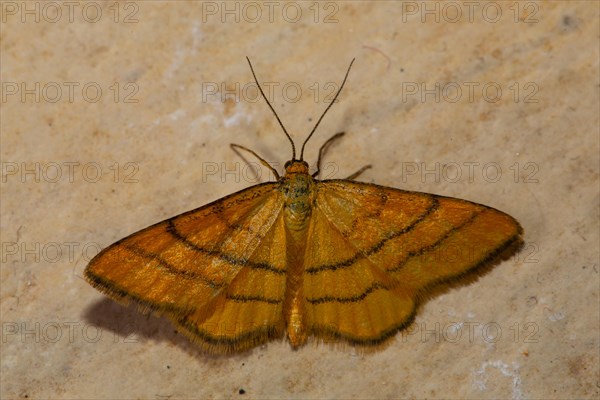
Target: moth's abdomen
(297,215)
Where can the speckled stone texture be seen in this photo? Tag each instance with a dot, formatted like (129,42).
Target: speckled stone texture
(119,115)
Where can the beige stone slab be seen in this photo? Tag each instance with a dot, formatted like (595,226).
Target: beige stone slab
(422,104)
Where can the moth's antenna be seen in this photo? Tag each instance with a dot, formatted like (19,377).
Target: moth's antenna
(272,109)
(327,109)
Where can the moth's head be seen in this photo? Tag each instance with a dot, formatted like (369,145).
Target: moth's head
(296,167)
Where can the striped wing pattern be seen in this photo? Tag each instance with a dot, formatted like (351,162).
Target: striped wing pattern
(218,271)
(381,249)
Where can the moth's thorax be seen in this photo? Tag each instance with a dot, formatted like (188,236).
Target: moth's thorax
(297,186)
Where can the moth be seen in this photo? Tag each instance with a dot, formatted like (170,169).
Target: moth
(336,259)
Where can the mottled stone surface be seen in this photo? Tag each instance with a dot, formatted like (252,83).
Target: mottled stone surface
(494,102)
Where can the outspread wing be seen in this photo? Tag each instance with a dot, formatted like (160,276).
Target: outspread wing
(217,271)
(380,250)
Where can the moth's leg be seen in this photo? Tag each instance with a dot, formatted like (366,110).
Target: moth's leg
(262,160)
(324,149)
(357,173)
